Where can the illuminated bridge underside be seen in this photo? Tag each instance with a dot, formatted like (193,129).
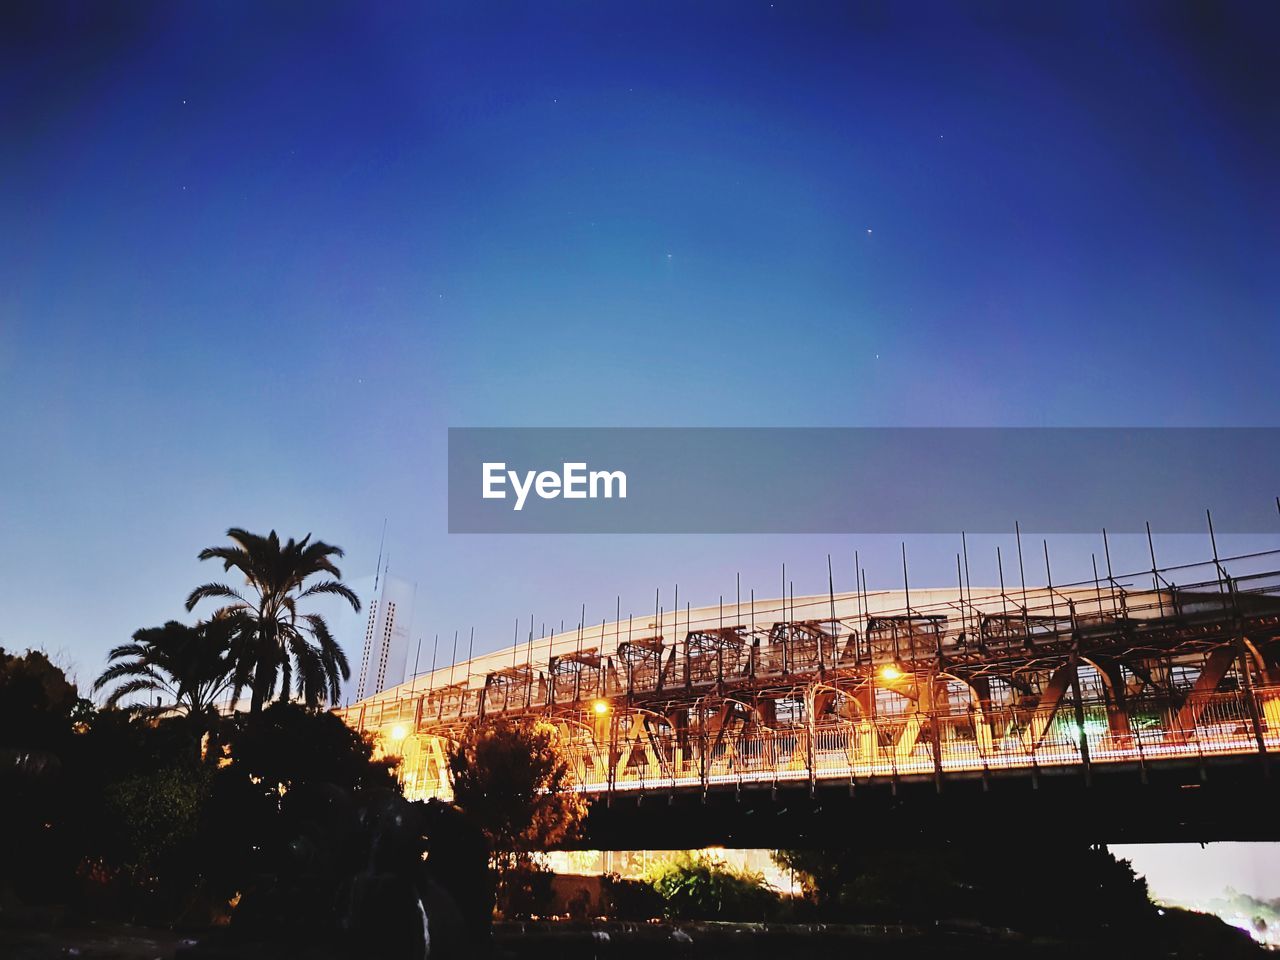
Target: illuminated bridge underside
(862,688)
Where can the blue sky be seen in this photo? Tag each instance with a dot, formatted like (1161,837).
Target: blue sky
(254,261)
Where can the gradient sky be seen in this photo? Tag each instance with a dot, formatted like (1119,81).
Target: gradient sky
(254,261)
(256,258)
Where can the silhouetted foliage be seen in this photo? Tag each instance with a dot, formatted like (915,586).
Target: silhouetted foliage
(513,778)
(187,668)
(629,899)
(458,860)
(965,880)
(38,705)
(277,760)
(1200,934)
(39,710)
(288,744)
(129,824)
(285,644)
(525,890)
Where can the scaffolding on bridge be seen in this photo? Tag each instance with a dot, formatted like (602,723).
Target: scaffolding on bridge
(866,685)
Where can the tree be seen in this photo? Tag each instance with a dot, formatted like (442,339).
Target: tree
(914,882)
(191,666)
(698,887)
(285,745)
(284,642)
(37,703)
(40,710)
(513,779)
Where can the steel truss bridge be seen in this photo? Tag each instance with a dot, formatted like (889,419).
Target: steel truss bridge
(871,689)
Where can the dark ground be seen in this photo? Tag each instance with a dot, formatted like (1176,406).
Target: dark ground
(570,941)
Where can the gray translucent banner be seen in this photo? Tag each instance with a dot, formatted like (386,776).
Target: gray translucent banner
(864,480)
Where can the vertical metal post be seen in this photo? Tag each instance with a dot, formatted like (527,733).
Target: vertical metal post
(791,619)
(431,677)
(861,630)
(1075,692)
(1242,653)
(1022,573)
(871,681)
(688,629)
(528,680)
(1097,584)
(1247,680)
(720,645)
(811,728)
(831,594)
(785,633)
(551,673)
(628,663)
(1004,607)
(906,582)
(1155,576)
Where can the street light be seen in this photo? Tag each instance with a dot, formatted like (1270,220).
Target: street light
(890,672)
(399,732)
(601,707)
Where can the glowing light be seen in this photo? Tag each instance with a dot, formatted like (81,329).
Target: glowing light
(890,672)
(399,732)
(601,707)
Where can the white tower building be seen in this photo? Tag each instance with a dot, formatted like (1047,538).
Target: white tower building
(386,636)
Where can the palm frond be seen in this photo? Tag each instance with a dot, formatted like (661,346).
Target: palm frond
(330,647)
(230,557)
(336,588)
(127,650)
(130,688)
(128,668)
(206,590)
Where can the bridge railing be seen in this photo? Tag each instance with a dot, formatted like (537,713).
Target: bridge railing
(956,741)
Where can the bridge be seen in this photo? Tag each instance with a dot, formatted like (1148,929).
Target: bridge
(1073,701)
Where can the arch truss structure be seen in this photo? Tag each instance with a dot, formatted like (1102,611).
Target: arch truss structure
(1179,664)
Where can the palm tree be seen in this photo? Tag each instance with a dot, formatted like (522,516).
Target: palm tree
(284,642)
(191,666)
